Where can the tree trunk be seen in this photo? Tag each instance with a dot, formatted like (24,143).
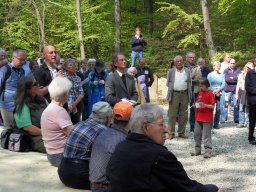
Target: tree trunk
(40,22)
(117,25)
(207,28)
(151,12)
(80,30)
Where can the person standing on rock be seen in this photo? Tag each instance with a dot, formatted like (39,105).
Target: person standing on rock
(178,95)
(250,87)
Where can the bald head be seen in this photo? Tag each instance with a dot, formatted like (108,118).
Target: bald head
(50,55)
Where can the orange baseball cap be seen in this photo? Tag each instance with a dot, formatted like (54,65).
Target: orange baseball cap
(122,111)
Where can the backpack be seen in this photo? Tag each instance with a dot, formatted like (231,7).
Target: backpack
(6,76)
(15,139)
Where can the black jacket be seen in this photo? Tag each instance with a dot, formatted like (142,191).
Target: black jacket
(115,90)
(140,165)
(149,77)
(250,87)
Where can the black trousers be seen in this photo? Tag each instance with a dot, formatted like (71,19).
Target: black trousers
(252,121)
(74,173)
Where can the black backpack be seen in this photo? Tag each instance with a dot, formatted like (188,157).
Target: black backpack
(6,76)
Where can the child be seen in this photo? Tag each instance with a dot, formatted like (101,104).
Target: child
(204,116)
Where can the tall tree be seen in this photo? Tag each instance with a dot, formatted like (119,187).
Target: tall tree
(40,21)
(207,28)
(117,25)
(80,31)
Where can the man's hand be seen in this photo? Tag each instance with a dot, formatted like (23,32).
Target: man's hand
(102,82)
(60,73)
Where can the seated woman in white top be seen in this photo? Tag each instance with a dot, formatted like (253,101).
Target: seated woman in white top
(55,121)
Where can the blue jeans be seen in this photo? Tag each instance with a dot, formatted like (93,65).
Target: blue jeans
(227,102)
(135,55)
(217,112)
(104,189)
(243,115)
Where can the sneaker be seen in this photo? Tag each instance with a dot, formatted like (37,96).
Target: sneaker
(183,136)
(207,155)
(171,136)
(240,126)
(195,153)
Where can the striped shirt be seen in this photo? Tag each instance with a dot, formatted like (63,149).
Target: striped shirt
(81,138)
(102,150)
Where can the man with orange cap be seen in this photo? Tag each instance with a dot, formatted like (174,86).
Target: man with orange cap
(105,144)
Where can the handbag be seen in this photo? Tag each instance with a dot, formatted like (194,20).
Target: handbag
(5,134)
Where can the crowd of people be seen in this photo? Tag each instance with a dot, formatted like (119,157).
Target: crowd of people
(95,122)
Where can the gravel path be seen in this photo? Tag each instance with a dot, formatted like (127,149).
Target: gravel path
(233,168)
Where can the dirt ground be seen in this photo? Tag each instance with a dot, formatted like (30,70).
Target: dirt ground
(233,168)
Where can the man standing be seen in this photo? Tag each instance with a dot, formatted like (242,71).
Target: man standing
(225,63)
(145,71)
(196,76)
(141,163)
(250,87)
(137,44)
(48,71)
(178,95)
(231,76)
(3,59)
(10,75)
(105,144)
(204,70)
(120,85)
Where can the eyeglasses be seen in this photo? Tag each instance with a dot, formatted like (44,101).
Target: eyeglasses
(162,125)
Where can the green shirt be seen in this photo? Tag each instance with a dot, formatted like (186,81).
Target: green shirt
(24,118)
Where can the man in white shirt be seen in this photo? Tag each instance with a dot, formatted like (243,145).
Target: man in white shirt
(179,93)
(225,63)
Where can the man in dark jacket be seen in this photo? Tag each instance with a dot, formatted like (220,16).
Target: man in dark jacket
(149,77)
(142,164)
(120,85)
(250,87)
(137,44)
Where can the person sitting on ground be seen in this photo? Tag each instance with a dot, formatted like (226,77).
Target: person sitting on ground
(204,114)
(29,107)
(55,121)
(141,97)
(105,144)
(74,168)
(141,162)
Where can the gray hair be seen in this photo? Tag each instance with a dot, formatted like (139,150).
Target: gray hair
(216,63)
(19,51)
(130,69)
(144,113)
(2,51)
(68,61)
(178,57)
(59,87)
(200,59)
(189,53)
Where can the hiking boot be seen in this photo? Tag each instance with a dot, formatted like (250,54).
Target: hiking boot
(252,142)
(240,126)
(207,155)
(195,153)
(183,136)
(171,136)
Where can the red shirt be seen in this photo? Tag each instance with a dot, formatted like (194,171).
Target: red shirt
(205,114)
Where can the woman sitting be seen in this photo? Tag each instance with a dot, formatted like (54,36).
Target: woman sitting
(55,121)
(29,108)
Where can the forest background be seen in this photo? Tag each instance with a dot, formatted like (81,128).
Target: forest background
(170,27)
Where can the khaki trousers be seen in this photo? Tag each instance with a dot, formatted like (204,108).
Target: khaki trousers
(179,104)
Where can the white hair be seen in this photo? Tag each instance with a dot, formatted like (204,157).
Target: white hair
(144,113)
(59,87)
(2,51)
(130,69)
(178,57)
(216,63)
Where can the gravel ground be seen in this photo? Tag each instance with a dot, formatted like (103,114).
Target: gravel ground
(233,168)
